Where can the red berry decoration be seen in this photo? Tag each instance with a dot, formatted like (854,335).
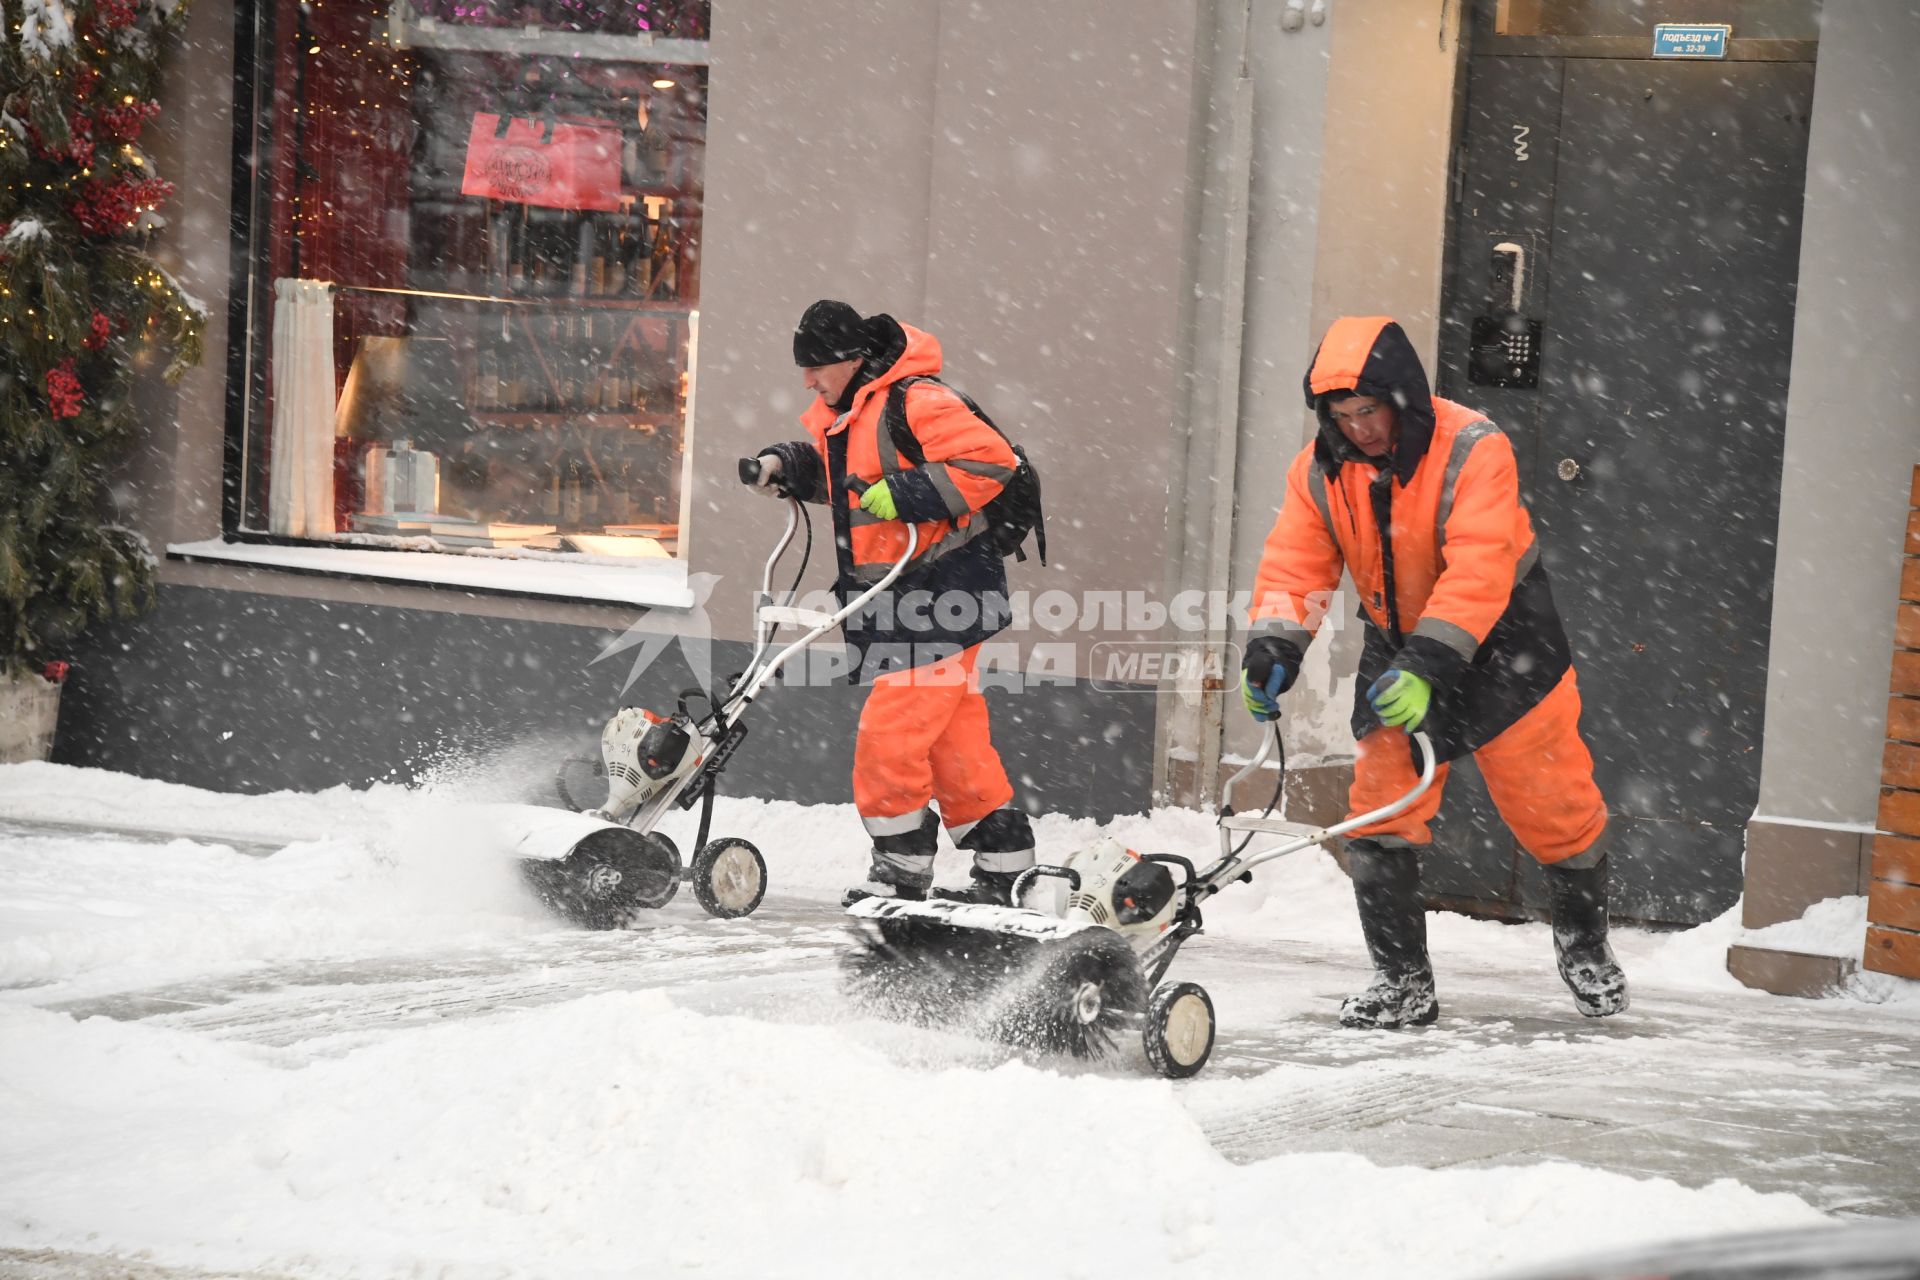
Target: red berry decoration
(125,121)
(108,208)
(64,392)
(115,14)
(98,332)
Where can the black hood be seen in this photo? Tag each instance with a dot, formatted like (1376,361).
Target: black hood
(1390,370)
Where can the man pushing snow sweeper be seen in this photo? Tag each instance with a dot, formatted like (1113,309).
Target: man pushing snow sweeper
(894,448)
(1419,499)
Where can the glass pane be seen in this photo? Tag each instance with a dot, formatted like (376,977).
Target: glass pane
(1753,19)
(512,228)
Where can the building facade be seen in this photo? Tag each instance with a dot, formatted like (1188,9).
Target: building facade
(431,508)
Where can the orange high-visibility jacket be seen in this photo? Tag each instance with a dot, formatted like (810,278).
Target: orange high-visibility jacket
(967,463)
(954,593)
(1453,589)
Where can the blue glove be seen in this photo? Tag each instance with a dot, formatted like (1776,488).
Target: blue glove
(1262,678)
(1263,701)
(1400,699)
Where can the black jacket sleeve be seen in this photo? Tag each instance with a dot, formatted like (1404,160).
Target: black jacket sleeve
(803,471)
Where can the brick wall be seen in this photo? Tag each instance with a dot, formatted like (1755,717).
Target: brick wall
(1893,898)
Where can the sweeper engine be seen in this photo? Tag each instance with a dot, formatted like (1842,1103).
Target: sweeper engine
(1063,978)
(644,754)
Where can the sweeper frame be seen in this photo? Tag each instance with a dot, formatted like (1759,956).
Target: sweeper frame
(599,866)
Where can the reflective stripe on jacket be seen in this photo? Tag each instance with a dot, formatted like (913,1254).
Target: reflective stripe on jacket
(954,592)
(1455,590)
(1461,539)
(967,463)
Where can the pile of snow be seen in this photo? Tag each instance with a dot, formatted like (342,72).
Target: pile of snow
(392,870)
(620,1135)
(1831,927)
(1837,927)
(625,1133)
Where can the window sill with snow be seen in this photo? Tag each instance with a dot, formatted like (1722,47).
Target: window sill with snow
(651,583)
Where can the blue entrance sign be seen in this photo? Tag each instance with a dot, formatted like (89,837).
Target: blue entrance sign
(1691,40)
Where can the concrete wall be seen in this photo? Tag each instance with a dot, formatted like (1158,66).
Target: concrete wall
(253,681)
(1383,184)
(175,475)
(1014,180)
(1853,422)
(1360,211)
(1292,70)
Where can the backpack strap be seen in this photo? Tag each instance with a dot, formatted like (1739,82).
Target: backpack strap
(895,416)
(907,445)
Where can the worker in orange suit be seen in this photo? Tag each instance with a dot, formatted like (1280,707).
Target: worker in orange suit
(924,755)
(1419,498)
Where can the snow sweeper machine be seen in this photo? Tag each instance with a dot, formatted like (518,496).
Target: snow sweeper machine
(1078,964)
(600,867)
(1076,967)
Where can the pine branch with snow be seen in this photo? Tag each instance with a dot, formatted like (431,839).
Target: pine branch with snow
(85,310)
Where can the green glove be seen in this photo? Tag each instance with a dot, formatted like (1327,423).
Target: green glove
(1400,699)
(878,500)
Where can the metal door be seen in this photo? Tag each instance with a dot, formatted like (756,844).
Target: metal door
(1646,214)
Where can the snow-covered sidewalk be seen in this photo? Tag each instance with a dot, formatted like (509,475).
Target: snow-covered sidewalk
(370,1054)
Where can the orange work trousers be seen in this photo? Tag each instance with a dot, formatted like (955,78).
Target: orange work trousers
(923,738)
(1538,771)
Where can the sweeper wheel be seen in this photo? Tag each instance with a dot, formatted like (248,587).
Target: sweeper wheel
(729,877)
(1081,992)
(607,878)
(1178,1030)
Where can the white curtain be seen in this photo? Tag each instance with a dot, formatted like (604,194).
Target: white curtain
(300,471)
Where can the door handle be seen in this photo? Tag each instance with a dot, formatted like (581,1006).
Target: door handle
(1568,470)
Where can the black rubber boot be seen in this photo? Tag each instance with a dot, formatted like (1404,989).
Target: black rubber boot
(902,864)
(1580,943)
(1393,918)
(1002,847)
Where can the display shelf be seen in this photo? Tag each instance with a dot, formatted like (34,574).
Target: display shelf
(452,201)
(649,422)
(665,308)
(407,29)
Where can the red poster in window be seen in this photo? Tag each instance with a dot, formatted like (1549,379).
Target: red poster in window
(554,164)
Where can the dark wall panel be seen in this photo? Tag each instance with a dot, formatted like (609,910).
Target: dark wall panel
(236,691)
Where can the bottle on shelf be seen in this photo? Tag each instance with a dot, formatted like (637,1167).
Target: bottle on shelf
(521,277)
(513,389)
(549,391)
(613,383)
(486,379)
(597,270)
(583,255)
(500,248)
(665,282)
(553,462)
(640,259)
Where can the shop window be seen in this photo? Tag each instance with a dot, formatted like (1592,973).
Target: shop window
(474,274)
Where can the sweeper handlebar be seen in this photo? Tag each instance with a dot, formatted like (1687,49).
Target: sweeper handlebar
(750,469)
(769,617)
(1233,865)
